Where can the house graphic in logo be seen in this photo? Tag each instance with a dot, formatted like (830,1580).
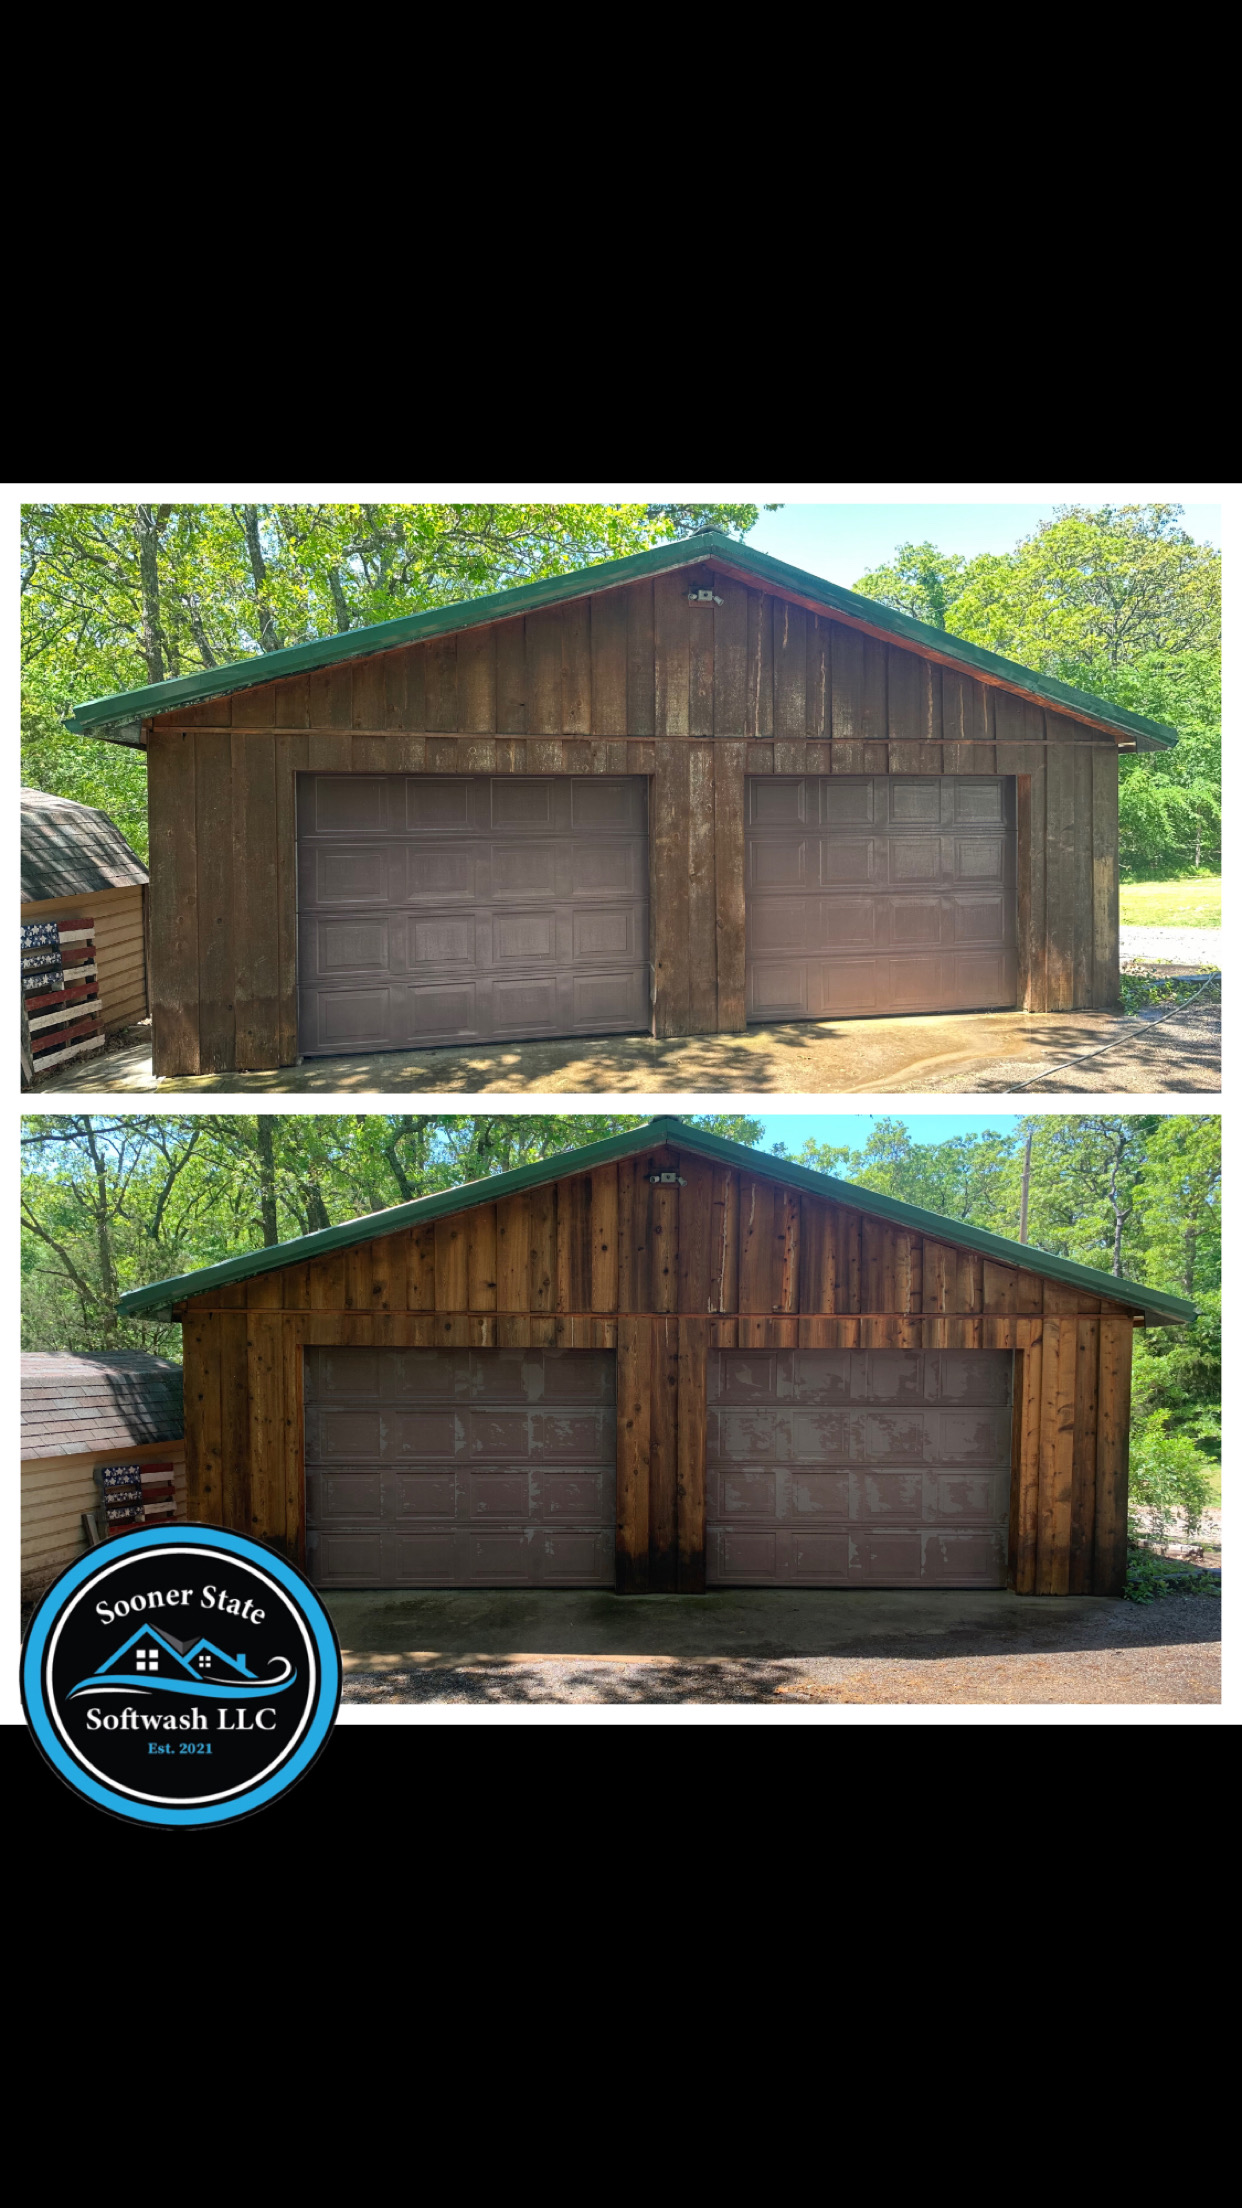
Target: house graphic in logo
(152,1661)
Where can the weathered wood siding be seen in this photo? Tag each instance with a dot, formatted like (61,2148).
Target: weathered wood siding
(604,1260)
(120,946)
(633,680)
(56,1491)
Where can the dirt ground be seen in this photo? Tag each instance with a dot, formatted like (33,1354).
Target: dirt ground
(949,1052)
(1080,1651)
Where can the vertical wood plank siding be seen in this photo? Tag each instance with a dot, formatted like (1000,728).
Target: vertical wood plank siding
(628,681)
(663,1275)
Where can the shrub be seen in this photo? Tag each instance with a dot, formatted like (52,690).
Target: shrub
(1150,1578)
(1167,1475)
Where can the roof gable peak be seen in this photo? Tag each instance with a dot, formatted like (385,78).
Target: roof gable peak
(118,718)
(161,1296)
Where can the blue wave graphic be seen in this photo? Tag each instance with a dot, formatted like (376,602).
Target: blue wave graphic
(152,1684)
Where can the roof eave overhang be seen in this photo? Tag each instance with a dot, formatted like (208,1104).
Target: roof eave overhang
(161,1299)
(120,719)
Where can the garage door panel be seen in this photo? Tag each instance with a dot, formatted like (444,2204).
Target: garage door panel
(580,1496)
(525,806)
(887,1495)
(884,894)
(964,1498)
(480,906)
(423,1559)
(337,1495)
(846,861)
(912,803)
(889,1375)
(429,1494)
(485,1467)
(445,804)
(336,1559)
(844,802)
(777,990)
(856,1467)
(818,1494)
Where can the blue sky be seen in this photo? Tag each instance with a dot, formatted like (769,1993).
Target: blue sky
(793,1128)
(841,542)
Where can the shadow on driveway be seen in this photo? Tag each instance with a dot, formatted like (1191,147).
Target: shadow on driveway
(799,1057)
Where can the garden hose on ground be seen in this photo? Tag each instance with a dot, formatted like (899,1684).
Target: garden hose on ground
(1118,1040)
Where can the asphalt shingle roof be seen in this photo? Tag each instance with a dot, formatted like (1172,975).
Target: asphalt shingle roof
(100,1400)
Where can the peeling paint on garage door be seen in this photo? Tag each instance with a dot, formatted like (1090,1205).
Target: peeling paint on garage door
(460,1467)
(879,893)
(449,909)
(855,1467)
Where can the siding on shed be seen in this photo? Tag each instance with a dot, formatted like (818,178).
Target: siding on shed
(632,680)
(662,1275)
(120,947)
(56,1491)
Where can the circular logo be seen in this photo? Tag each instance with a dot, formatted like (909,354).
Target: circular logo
(181,1676)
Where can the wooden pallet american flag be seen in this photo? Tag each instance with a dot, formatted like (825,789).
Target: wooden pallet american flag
(132,1495)
(62,1012)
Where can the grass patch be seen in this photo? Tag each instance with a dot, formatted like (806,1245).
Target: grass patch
(1192,904)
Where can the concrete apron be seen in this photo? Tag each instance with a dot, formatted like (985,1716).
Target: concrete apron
(441,1629)
(798,1057)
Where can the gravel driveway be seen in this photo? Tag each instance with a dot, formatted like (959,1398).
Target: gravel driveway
(1119,1653)
(1196,947)
(1179,1053)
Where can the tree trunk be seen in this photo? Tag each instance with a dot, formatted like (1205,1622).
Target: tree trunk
(343,615)
(149,524)
(316,1210)
(270,638)
(267,1180)
(108,1321)
(199,633)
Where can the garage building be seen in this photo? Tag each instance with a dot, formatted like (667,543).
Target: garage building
(672,793)
(664,1363)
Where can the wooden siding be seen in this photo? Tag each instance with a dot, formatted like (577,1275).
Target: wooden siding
(662,1274)
(633,680)
(120,945)
(56,1491)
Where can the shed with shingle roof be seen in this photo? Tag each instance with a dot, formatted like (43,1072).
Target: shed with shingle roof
(78,868)
(81,1411)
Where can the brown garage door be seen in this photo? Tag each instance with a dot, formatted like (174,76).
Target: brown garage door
(856,1467)
(879,893)
(444,910)
(460,1467)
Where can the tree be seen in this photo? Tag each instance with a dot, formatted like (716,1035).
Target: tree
(921,581)
(1092,590)
(1118,600)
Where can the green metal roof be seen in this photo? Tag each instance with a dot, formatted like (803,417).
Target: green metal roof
(157,1300)
(116,718)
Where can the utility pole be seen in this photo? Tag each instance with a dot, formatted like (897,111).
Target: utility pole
(1026,1189)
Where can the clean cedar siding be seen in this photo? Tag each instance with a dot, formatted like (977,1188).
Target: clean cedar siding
(629,680)
(663,1275)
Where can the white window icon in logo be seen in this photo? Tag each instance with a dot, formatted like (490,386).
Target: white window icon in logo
(204,1662)
(148,1659)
